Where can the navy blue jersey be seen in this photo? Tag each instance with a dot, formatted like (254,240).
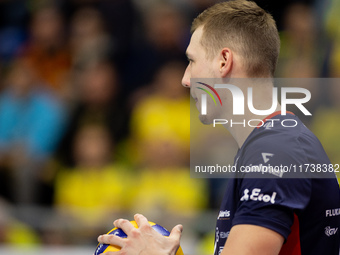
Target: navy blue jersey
(304,210)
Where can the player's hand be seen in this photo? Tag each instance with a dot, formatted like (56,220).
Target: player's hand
(143,240)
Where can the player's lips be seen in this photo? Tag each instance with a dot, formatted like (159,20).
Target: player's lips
(196,102)
(195,98)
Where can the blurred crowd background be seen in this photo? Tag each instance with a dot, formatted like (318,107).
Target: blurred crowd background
(94,122)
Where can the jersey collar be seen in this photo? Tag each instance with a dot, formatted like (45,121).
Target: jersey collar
(272,116)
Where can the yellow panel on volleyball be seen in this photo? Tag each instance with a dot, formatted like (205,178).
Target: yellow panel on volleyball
(103,248)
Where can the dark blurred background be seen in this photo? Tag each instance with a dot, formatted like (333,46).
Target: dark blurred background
(94,122)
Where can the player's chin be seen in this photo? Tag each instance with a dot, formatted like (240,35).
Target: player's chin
(205,119)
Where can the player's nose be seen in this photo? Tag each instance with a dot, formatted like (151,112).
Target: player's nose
(186,78)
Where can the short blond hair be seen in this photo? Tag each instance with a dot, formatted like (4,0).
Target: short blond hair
(245,28)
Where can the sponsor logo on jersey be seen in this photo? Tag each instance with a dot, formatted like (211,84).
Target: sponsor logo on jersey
(330,231)
(224,234)
(236,161)
(266,156)
(268,125)
(333,212)
(217,238)
(256,195)
(223,214)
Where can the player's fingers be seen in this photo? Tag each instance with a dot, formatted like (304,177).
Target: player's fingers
(113,253)
(176,232)
(125,225)
(111,239)
(141,220)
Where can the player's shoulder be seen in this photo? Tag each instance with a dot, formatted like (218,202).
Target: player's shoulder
(285,133)
(279,144)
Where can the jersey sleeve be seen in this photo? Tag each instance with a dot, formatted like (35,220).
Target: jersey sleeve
(271,203)
(267,199)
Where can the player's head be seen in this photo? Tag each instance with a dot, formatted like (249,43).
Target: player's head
(239,29)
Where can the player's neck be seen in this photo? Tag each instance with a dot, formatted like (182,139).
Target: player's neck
(240,126)
(244,125)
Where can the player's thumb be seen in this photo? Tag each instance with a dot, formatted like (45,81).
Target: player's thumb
(176,232)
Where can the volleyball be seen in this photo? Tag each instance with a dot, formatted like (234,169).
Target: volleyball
(102,248)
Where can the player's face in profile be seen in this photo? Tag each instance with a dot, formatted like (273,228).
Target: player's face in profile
(199,67)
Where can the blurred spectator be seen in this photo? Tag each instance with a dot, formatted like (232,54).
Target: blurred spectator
(13,21)
(332,28)
(326,122)
(121,21)
(119,17)
(90,43)
(299,57)
(278,9)
(46,49)
(160,130)
(13,231)
(162,113)
(96,186)
(165,40)
(97,91)
(168,189)
(31,123)
(198,6)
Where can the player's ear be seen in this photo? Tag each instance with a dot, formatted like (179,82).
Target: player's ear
(225,61)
